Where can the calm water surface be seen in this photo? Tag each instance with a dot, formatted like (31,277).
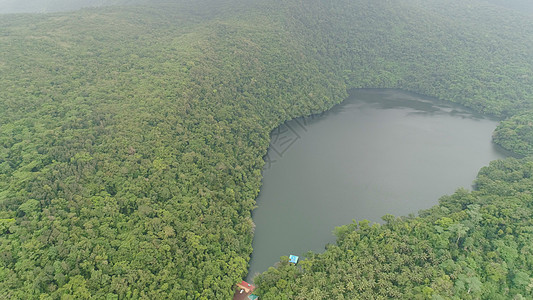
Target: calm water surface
(379,152)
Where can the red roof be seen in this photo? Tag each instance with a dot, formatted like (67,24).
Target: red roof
(247,285)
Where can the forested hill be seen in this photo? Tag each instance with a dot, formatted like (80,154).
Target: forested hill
(131,138)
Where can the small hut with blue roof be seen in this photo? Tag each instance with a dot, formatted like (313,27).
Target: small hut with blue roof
(293,259)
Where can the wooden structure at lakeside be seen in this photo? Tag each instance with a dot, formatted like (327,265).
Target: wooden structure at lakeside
(243,291)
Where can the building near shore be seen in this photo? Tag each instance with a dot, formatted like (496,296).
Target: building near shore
(243,291)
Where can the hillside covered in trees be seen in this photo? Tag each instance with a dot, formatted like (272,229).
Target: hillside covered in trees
(132,142)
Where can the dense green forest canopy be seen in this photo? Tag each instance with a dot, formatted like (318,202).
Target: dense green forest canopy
(131,138)
(516,133)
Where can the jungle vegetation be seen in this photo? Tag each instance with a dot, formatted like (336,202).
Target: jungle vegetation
(132,142)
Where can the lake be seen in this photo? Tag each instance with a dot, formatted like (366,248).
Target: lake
(378,152)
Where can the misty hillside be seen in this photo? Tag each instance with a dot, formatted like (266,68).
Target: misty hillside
(47,6)
(522,6)
(132,142)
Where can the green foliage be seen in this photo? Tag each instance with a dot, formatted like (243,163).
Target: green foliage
(516,134)
(131,145)
(449,252)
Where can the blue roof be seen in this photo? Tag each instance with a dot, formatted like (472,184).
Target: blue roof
(253,297)
(293,259)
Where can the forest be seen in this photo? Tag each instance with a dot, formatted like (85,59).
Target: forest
(132,141)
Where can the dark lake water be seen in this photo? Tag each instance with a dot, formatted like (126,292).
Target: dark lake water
(379,152)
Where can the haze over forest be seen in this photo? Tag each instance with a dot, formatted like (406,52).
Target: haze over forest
(46,6)
(133,136)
